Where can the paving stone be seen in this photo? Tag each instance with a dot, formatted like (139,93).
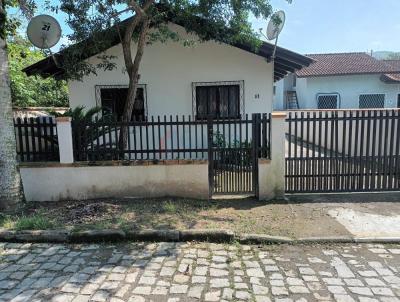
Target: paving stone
(142,290)
(181,278)
(199,279)
(178,289)
(255,272)
(298,289)
(260,290)
(364,291)
(279,291)
(212,296)
(219,282)
(227,294)
(353,282)
(124,273)
(343,298)
(242,295)
(89,289)
(382,291)
(218,272)
(195,292)
(81,298)
(62,298)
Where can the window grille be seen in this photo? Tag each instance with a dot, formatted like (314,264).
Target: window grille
(328,101)
(372,100)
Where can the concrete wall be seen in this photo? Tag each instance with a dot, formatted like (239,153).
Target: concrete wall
(168,71)
(349,88)
(69,182)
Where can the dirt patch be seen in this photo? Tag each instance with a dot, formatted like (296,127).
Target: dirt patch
(296,218)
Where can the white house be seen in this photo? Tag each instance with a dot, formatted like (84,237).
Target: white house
(207,78)
(341,80)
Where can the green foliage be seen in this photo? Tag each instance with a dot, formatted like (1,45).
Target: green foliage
(35,221)
(32,91)
(97,25)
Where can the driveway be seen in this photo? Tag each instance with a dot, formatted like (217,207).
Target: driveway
(199,272)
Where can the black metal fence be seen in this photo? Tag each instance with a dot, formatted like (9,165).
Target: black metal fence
(235,147)
(36,139)
(343,151)
(161,138)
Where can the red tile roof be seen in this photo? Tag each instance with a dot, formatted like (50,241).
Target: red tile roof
(346,64)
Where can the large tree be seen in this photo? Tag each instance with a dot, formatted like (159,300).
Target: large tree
(222,20)
(32,91)
(10,180)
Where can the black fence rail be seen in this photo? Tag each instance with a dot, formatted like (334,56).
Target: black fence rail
(236,146)
(160,138)
(36,139)
(343,151)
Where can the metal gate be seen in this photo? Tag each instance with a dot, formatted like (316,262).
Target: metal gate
(343,151)
(234,148)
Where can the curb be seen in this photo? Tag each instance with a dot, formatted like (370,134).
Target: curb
(263,239)
(206,235)
(96,236)
(212,235)
(153,235)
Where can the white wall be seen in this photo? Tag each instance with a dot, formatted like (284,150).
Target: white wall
(169,69)
(349,88)
(55,183)
(279,95)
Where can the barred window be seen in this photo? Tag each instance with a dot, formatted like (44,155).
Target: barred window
(376,100)
(328,101)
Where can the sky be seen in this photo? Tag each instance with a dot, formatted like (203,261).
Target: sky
(326,26)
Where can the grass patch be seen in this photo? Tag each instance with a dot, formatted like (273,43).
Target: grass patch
(34,222)
(6,222)
(169,207)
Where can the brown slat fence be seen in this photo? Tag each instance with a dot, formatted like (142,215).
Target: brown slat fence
(343,151)
(36,139)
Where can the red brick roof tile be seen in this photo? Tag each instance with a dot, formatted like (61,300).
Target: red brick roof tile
(346,64)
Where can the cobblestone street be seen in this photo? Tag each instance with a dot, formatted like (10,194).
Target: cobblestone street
(199,272)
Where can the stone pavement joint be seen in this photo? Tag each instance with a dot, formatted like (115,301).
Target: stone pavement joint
(174,272)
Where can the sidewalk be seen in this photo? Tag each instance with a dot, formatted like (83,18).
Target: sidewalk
(358,214)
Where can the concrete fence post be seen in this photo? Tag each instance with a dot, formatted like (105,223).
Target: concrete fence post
(65,145)
(272,173)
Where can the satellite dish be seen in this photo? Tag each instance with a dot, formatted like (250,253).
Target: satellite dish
(275,25)
(44,31)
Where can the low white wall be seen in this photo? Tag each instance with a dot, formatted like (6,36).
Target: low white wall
(59,182)
(270,186)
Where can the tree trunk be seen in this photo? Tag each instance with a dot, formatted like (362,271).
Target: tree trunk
(133,73)
(10,181)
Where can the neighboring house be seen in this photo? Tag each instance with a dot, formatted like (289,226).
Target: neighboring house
(223,80)
(341,80)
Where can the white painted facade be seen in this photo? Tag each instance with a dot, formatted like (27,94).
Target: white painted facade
(348,87)
(169,70)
